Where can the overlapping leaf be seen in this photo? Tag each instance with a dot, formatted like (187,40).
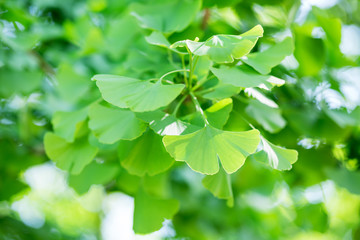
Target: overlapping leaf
(144,155)
(110,125)
(224,48)
(277,157)
(166,16)
(150,212)
(219,185)
(264,61)
(72,157)
(202,149)
(245,77)
(138,95)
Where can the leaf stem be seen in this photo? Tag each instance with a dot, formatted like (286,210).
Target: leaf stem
(198,107)
(191,67)
(184,67)
(171,72)
(176,109)
(200,83)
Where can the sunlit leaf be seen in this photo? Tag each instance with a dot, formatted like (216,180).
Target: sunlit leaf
(110,125)
(203,149)
(224,48)
(219,185)
(138,95)
(165,124)
(276,157)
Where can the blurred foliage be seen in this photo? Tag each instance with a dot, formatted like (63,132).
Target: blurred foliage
(49,51)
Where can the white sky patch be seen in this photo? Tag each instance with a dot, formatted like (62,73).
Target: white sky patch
(350,40)
(306,6)
(29,212)
(118,221)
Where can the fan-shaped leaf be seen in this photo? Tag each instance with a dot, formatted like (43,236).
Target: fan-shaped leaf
(245,77)
(150,212)
(72,157)
(264,61)
(224,48)
(144,155)
(277,157)
(201,149)
(220,186)
(110,125)
(166,16)
(138,95)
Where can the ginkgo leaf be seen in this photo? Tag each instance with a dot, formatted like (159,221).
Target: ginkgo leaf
(94,173)
(277,157)
(72,157)
(270,118)
(110,125)
(165,124)
(245,77)
(202,149)
(264,61)
(219,185)
(144,155)
(166,16)
(65,124)
(217,115)
(150,212)
(224,48)
(138,95)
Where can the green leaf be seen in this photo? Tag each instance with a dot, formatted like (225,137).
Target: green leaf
(72,157)
(221,91)
(268,117)
(166,16)
(66,124)
(94,173)
(224,48)
(219,185)
(201,149)
(165,124)
(138,95)
(110,125)
(158,39)
(150,212)
(345,179)
(264,61)
(245,77)
(144,155)
(277,157)
(217,115)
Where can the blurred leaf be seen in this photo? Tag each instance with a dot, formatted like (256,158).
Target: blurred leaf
(166,16)
(269,118)
(264,61)
(110,125)
(72,157)
(66,124)
(150,212)
(245,77)
(94,173)
(345,179)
